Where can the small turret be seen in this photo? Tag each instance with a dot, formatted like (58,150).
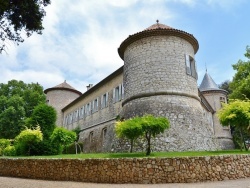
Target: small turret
(215,96)
(60,96)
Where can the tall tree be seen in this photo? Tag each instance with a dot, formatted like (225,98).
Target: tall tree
(240,84)
(20,15)
(17,101)
(45,117)
(225,85)
(237,115)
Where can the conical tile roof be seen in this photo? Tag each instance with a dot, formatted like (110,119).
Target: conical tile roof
(208,83)
(158,26)
(63,86)
(157,30)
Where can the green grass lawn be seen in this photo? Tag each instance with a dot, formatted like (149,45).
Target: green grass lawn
(138,155)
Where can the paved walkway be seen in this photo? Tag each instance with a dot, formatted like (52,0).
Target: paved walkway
(6,182)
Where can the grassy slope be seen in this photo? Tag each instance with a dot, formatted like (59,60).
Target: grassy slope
(139,155)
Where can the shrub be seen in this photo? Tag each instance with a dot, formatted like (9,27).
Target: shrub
(63,137)
(26,139)
(3,144)
(9,151)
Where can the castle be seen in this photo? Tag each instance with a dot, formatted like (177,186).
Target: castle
(159,77)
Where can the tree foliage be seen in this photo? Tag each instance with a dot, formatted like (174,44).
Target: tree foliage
(240,84)
(44,116)
(62,136)
(3,144)
(27,138)
(17,101)
(237,115)
(147,125)
(225,85)
(130,129)
(17,16)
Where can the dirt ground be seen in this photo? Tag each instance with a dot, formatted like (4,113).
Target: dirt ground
(6,182)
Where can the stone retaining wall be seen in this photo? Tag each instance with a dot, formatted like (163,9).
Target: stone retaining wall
(130,170)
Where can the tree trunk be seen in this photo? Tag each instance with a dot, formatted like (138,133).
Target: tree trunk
(131,145)
(243,139)
(148,137)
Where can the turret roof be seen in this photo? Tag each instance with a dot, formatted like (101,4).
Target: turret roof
(158,26)
(157,30)
(63,86)
(208,83)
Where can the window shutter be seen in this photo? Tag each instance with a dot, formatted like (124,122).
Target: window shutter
(86,109)
(96,104)
(114,95)
(93,106)
(188,68)
(102,102)
(122,91)
(196,74)
(107,99)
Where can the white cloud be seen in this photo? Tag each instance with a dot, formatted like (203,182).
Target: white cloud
(80,40)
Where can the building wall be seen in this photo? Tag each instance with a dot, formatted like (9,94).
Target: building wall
(158,64)
(222,133)
(59,98)
(97,126)
(156,82)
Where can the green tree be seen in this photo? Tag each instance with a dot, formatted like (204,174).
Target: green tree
(3,144)
(237,115)
(11,116)
(44,116)
(152,126)
(63,137)
(147,125)
(17,101)
(240,85)
(130,129)
(18,16)
(225,85)
(27,138)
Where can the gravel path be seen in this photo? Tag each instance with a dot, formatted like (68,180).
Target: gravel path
(6,182)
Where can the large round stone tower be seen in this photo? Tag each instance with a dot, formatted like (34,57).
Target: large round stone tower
(60,96)
(160,78)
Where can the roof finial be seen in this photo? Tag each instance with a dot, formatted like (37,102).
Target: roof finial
(64,81)
(157,21)
(206,67)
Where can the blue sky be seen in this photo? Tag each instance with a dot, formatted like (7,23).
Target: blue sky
(80,40)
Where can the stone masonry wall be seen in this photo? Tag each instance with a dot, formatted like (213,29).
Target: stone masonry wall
(156,64)
(130,170)
(190,128)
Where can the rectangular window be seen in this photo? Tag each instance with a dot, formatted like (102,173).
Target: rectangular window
(76,116)
(104,101)
(190,66)
(65,120)
(95,105)
(117,93)
(87,109)
(82,112)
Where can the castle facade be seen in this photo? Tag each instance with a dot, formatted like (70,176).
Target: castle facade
(159,77)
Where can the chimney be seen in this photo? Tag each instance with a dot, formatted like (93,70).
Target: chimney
(89,86)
